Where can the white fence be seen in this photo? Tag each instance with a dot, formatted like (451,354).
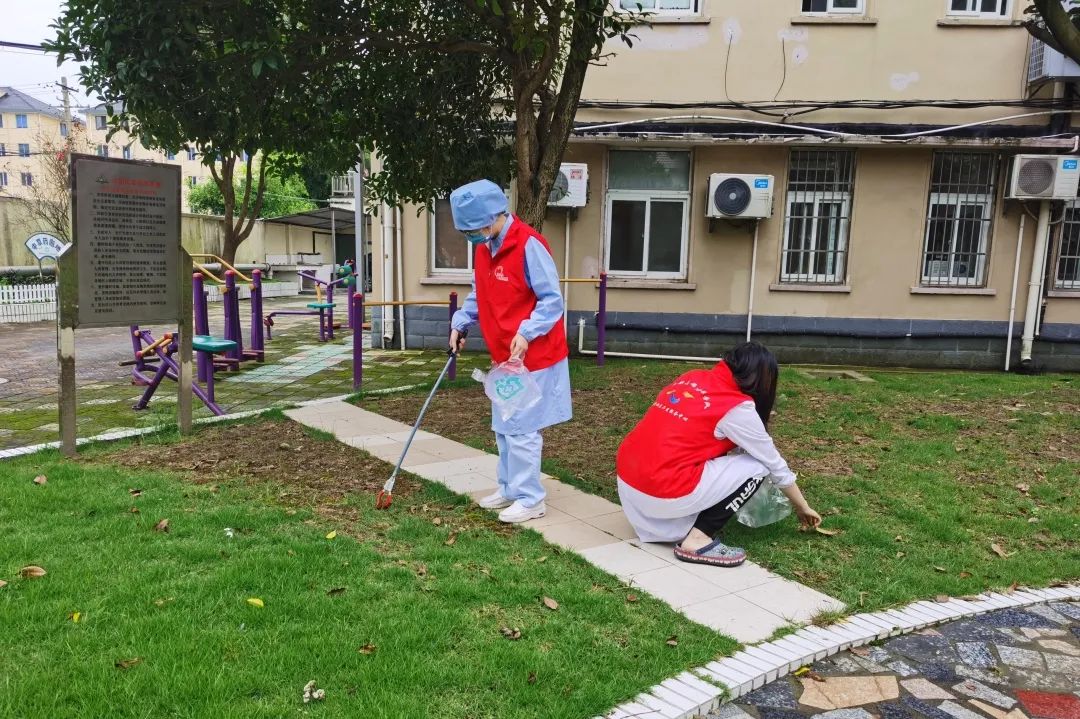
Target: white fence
(27,303)
(37,303)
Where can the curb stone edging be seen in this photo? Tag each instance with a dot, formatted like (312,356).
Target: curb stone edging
(686,696)
(141,431)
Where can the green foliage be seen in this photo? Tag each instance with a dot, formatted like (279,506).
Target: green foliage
(438,87)
(282,196)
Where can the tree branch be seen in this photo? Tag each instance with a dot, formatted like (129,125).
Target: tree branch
(1060,26)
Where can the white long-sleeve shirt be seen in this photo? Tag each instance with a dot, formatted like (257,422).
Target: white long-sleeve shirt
(744,427)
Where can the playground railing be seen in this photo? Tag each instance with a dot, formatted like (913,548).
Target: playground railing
(358,305)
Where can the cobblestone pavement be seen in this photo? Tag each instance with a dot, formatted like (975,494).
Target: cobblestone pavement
(297,368)
(1008,664)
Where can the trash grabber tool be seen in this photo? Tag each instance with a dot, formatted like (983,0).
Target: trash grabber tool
(385,497)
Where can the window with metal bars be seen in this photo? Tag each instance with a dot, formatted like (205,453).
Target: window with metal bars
(818,216)
(1067,267)
(960,213)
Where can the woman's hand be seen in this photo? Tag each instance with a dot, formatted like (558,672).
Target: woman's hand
(808,517)
(518,347)
(457,341)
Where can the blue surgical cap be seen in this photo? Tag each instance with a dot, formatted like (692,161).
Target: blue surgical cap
(477,204)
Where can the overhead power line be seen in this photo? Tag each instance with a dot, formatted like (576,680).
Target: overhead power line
(22,46)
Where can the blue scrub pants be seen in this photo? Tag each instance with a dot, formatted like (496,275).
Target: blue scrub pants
(519,467)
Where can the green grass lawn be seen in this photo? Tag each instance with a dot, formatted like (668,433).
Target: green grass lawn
(923,473)
(399,615)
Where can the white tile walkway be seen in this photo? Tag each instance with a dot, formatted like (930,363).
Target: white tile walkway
(748,602)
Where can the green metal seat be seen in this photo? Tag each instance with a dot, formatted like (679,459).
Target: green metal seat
(321,305)
(213,345)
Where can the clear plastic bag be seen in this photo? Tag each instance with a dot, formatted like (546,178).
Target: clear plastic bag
(510,387)
(767,506)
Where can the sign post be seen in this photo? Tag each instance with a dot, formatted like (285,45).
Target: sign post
(124,266)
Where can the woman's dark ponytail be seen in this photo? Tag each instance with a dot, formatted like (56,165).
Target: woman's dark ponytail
(755,371)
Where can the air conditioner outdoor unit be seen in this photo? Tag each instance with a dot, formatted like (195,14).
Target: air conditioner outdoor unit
(1046,63)
(1044,177)
(571,186)
(744,196)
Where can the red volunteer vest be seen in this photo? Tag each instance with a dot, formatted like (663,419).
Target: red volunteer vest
(505,300)
(664,455)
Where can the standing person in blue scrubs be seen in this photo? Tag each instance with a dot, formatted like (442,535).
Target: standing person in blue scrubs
(519,308)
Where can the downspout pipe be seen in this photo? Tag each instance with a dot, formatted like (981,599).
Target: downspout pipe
(1035,286)
(389,247)
(1015,285)
(399,258)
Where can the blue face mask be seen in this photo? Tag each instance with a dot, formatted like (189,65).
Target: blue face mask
(476,238)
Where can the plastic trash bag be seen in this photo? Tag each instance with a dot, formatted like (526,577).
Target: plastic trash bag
(510,387)
(767,505)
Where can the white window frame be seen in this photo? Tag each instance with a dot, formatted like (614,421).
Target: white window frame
(3,179)
(631,9)
(28,150)
(102,150)
(433,267)
(101,122)
(27,179)
(1003,12)
(958,201)
(831,9)
(843,235)
(648,196)
(22,122)
(126,152)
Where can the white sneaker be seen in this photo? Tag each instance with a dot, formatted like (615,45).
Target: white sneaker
(517,512)
(495,501)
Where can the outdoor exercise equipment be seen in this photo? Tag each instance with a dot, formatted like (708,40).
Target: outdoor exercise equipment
(231,304)
(164,348)
(386,496)
(324,310)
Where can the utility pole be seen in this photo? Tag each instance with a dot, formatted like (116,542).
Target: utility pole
(67,108)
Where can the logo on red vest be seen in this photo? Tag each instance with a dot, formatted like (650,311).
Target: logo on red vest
(500,275)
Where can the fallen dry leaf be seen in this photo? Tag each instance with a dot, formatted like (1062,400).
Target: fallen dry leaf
(311,694)
(32,572)
(550,603)
(827,532)
(673,640)
(965,575)
(1033,520)
(996,549)
(631,598)
(367,649)
(901,555)
(331,535)
(940,569)
(336,591)
(511,634)
(1024,487)
(450,542)
(833,511)
(128,663)
(2,584)
(256,602)
(860,651)
(815,676)
(437,521)
(134,510)
(164,600)
(1012,587)
(542,559)
(899,538)
(40,480)
(162,526)
(135,492)
(421,570)
(532,677)
(971,598)
(942,598)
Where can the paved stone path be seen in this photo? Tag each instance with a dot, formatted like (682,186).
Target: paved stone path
(1007,664)
(748,603)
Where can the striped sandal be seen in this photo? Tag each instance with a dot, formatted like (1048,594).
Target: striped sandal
(717,554)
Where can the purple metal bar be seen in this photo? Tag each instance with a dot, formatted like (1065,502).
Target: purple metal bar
(358,343)
(136,345)
(330,311)
(453,310)
(162,370)
(601,321)
(202,323)
(195,388)
(258,342)
(232,317)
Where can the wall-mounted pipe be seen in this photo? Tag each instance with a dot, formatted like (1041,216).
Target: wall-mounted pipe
(1035,284)
(1015,284)
(400,259)
(635,355)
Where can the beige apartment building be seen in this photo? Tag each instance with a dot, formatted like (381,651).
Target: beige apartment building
(28,126)
(25,122)
(885,132)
